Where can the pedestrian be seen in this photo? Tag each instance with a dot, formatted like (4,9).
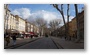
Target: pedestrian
(14,39)
(65,37)
(7,39)
(31,36)
(46,35)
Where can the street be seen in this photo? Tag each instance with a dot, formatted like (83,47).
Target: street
(42,28)
(43,43)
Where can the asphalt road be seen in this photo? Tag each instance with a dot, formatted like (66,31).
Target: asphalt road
(42,43)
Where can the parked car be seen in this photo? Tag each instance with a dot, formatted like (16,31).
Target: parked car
(20,36)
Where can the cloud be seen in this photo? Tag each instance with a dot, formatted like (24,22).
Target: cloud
(22,12)
(46,15)
(26,14)
(50,16)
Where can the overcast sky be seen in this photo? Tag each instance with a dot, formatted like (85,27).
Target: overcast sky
(45,11)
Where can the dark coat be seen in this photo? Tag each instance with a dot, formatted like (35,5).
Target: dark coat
(14,37)
(7,38)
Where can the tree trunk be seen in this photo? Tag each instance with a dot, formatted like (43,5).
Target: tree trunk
(65,27)
(68,22)
(61,12)
(64,21)
(77,21)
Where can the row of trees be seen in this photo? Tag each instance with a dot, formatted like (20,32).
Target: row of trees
(54,24)
(44,25)
(60,8)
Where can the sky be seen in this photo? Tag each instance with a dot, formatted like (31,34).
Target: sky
(45,11)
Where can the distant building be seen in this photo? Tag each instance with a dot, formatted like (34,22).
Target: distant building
(27,26)
(81,24)
(72,27)
(21,28)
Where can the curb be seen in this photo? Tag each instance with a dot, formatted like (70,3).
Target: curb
(57,45)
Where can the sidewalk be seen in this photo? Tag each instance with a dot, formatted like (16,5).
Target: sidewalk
(20,41)
(63,44)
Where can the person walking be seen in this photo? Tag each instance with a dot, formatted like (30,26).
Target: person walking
(31,36)
(14,39)
(7,39)
(46,35)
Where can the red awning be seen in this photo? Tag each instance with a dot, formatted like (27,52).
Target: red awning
(32,33)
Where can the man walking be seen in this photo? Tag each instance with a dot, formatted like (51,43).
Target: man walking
(14,39)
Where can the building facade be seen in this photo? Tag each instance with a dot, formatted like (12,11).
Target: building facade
(16,24)
(81,24)
(21,27)
(6,16)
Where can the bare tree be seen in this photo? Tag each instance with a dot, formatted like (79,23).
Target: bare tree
(77,21)
(60,9)
(54,24)
(41,23)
